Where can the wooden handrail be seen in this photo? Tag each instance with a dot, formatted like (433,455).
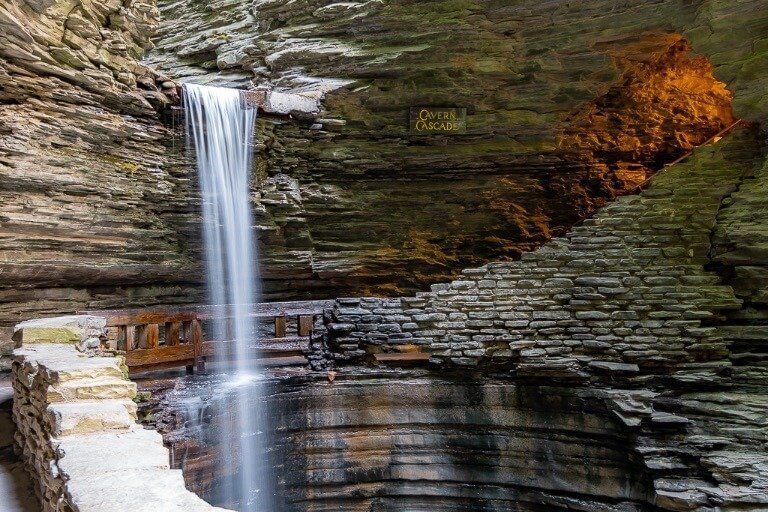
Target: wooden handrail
(183,343)
(207,312)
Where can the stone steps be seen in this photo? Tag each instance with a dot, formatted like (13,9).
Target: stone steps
(78,432)
(99,388)
(84,456)
(271,362)
(140,490)
(83,417)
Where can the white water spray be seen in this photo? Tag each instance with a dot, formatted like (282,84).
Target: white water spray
(221,130)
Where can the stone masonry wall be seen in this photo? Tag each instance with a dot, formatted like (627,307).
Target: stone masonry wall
(77,430)
(625,288)
(628,300)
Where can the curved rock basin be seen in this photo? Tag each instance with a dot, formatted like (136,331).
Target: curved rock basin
(410,441)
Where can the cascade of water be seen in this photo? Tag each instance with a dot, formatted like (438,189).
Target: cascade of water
(220,130)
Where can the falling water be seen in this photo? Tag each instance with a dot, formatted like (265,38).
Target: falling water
(220,130)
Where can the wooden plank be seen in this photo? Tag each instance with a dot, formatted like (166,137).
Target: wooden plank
(130,337)
(172,333)
(171,365)
(285,361)
(122,336)
(152,333)
(197,344)
(138,316)
(147,317)
(280,326)
(149,357)
(305,325)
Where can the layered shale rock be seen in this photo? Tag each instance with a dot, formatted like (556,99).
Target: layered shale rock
(99,201)
(633,301)
(568,106)
(92,212)
(407,441)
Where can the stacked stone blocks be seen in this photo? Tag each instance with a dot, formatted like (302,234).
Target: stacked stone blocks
(627,304)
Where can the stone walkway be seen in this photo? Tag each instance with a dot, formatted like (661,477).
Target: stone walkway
(16,493)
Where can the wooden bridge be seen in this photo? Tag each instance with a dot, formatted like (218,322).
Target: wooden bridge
(162,338)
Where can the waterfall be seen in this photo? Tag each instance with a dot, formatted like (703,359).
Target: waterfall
(221,130)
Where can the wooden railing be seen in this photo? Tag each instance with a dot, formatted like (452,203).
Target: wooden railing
(162,338)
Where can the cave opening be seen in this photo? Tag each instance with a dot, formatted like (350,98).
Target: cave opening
(666,102)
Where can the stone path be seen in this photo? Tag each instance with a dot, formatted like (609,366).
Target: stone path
(16,493)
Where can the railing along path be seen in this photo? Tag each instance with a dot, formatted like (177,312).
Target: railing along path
(162,338)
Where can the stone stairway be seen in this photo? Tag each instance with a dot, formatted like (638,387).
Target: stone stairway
(78,432)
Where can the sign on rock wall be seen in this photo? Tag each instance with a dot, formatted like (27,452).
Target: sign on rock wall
(438,120)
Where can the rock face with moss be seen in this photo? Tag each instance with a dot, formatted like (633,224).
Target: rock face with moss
(91,212)
(568,106)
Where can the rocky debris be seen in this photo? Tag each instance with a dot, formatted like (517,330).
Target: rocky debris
(77,429)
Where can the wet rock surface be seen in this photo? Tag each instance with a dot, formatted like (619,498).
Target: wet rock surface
(398,440)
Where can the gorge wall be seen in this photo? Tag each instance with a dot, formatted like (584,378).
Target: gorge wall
(93,214)
(406,441)
(569,105)
(658,300)
(647,322)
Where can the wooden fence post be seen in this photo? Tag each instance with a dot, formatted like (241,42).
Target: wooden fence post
(280,326)
(305,325)
(197,342)
(172,333)
(153,335)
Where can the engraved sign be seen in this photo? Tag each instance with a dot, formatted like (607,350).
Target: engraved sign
(438,120)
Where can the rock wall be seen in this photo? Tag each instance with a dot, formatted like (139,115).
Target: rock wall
(400,441)
(99,203)
(94,212)
(565,101)
(629,299)
(77,430)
